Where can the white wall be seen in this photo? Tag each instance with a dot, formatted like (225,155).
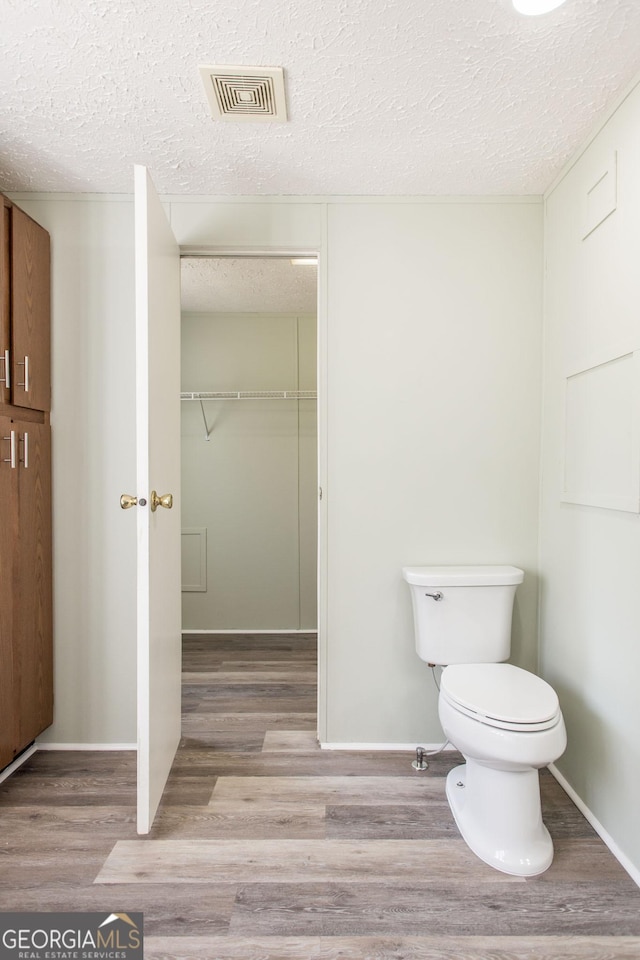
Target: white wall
(430,359)
(252,487)
(434,323)
(590,556)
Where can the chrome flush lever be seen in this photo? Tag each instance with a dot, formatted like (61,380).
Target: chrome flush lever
(435,596)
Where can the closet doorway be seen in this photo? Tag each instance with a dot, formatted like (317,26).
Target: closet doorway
(249,445)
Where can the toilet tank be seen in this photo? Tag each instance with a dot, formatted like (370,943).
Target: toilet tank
(470,621)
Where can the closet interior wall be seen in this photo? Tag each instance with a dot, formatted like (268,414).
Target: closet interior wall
(249,474)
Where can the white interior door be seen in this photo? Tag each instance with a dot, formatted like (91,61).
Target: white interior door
(157,277)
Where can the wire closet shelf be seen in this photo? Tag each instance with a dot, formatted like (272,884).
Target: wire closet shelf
(251,395)
(244,395)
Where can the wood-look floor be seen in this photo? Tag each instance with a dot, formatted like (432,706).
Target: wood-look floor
(267,848)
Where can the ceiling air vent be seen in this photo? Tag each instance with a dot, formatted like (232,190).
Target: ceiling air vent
(245,93)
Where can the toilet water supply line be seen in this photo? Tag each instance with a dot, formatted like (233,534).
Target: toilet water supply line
(420,763)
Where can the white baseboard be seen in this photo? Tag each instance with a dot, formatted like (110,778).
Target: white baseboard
(387,747)
(275,633)
(607,839)
(88,746)
(29,752)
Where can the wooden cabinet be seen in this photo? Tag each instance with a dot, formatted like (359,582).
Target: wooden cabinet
(5,303)
(26,622)
(25,583)
(25,352)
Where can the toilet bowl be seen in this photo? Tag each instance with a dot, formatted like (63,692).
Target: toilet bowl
(507,724)
(505,721)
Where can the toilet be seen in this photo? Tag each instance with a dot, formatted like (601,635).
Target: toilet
(505,721)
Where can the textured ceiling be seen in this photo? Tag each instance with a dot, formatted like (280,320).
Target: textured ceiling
(241,285)
(424,97)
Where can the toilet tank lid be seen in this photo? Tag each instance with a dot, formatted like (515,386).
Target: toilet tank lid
(477,576)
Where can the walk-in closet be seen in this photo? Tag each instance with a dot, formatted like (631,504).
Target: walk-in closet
(249,444)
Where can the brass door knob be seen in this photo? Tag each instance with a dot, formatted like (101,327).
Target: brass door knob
(127,501)
(156,501)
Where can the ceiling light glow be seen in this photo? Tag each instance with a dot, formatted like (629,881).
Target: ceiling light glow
(533,8)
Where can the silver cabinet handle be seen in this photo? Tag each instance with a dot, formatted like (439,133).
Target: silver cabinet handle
(25,451)
(7,370)
(12,450)
(25,363)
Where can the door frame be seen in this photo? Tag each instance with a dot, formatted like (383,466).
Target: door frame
(282,253)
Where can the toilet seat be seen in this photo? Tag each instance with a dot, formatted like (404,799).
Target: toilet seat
(501,695)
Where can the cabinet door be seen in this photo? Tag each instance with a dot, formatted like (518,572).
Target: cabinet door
(30,313)
(8,537)
(32,601)
(5,302)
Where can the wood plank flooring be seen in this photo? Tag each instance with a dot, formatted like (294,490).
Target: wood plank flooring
(268,848)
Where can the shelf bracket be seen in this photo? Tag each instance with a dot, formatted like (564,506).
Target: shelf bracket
(207,428)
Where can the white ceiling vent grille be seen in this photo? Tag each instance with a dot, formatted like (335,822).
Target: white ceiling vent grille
(245,93)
